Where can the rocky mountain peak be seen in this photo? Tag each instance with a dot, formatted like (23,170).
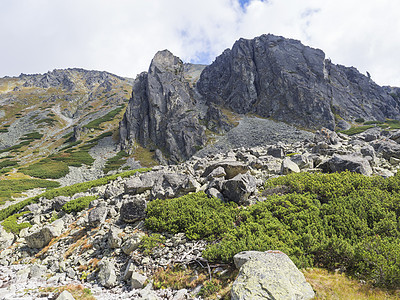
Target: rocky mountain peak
(165,60)
(161,111)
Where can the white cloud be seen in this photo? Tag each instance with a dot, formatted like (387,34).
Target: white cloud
(122,36)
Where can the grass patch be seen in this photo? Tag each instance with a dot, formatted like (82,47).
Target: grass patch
(77,291)
(65,191)
(115,162)
(78,204)
(332,285)
(144,156)
(150,242)
(46,168)
(95,124)
(356,130)
(47,121)
(13,187)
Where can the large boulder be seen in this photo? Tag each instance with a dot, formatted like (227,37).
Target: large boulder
(171,185)
(106,276)
(288,166)
(239,188)
(387,148)
(43,236)
(133,209)
(98,215)
(231,168)
(6,238)
(270,275)
(352,163)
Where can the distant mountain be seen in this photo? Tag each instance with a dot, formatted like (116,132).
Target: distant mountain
(268,77)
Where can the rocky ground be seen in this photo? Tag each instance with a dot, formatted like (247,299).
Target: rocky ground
(98,247)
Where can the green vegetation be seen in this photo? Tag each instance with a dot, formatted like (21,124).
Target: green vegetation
(95,124)
(27,139)
(47,121)
(32,136)
(46,168)
(193,214)
(360,120)
(115,162)
(340,220)
(14,187)
(78,204)
(65,191)
(356,130)
(11,225)
(388,124)
(150,242)
(56,165)
(8,163)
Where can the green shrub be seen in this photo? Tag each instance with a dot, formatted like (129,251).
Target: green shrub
(150,242)
(78,204)
(360,120)
(11,225)
(340,220)
(356,130)
(8,163)
(193,214)
(32,136)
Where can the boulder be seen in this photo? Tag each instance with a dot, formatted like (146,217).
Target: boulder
(106,276)
(144,182)
(132,243)
(65,295)
(43,236)
(277,152)
(231,168)
(97,216)
(289,166)
(6,238)
(133,209)
(387,149)
(114,240)
(137,280)
(352,163)
(172,185)
(327,136)
(270,275)
(58,202)
(113,190)
(239,188)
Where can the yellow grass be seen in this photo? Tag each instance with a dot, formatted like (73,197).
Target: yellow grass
(330,286)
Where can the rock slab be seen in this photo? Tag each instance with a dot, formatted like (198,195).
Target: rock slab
(270,275)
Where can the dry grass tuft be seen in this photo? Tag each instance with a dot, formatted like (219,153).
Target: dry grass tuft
(329,286)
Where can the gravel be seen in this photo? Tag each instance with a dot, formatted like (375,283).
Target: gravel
(253,132)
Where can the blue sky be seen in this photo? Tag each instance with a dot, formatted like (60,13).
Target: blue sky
(122,36)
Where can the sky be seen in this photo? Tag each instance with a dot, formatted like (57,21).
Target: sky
(122,36)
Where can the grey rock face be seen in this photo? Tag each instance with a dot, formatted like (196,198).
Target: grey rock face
(133,210)
(270,275)
(161,111)
(280,78)
(340,163)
